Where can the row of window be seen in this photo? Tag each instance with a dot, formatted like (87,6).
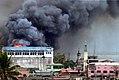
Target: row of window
(104,67)
(94,68)
(18,53)
(103,71)
(24,50)
(48,52)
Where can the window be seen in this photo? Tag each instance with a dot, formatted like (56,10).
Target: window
(31,53)
(98,71)
(104,71)
(104,67)
(24,53)
(16,53)
(34,53)
(40,53)
(10,52)
(48,52)
(111,71)
(92,68)
(27,53)
(92,71)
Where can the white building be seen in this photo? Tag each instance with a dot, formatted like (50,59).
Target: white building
(31,57)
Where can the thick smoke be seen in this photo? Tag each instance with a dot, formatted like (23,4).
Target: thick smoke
(38,25)
(41,22)
(7,7)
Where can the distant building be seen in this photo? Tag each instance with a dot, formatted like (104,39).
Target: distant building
(94,67)
(31,57)
(103,69)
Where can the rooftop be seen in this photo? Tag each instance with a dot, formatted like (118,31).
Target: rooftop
(107,63)
(26,48)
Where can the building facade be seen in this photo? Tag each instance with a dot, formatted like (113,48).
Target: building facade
(103,69)
(30,57)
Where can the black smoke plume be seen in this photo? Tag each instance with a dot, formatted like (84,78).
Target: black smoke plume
(41,22)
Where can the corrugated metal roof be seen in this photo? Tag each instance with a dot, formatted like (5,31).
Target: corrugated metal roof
(27,48)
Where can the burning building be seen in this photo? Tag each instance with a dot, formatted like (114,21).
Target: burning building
(31,57)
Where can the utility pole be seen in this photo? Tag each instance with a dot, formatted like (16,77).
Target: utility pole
(94,49)
(68,56)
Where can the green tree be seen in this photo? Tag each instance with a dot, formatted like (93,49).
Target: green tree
(69,63)
(59,58)
(7,70)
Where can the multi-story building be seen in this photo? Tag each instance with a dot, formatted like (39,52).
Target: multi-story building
(30,57)
(103,69)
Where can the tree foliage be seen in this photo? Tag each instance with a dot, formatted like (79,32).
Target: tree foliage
(7,70)
(69,63)
(59,58)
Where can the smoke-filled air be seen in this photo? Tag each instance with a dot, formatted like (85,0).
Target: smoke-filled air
(63,24)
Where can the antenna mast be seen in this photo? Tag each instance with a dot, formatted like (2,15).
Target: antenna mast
(94,49)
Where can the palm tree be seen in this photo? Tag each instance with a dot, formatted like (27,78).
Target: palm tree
(7,70)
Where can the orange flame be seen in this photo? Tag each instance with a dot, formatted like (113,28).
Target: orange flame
(18,44)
